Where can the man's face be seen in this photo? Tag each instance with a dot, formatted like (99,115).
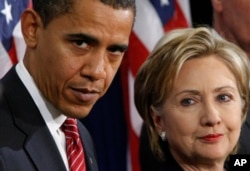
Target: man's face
(77,55)
(236,21)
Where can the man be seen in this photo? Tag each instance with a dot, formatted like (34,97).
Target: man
(232,20)
(74,49)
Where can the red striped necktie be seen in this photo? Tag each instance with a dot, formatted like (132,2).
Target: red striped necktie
(74,149)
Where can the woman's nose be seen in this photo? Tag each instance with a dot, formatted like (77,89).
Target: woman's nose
(210,115)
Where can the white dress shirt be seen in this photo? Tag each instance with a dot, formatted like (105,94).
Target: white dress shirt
(52,117)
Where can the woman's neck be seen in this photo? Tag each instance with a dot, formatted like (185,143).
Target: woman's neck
(186,167)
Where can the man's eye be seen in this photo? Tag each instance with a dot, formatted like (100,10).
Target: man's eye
(187,102)
(80,43)
(117,50)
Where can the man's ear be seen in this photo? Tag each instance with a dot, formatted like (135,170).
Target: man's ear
(30,24)
(217,5)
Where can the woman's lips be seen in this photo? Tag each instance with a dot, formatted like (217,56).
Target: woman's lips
(211,137)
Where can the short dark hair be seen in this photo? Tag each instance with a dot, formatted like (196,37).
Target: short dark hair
(50,9)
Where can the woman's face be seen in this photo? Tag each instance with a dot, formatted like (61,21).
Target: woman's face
(202,116)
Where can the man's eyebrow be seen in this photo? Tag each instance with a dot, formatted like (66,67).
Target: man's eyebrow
(84,37)
(118,47)
(94,41)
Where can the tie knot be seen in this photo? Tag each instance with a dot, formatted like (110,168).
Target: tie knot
(69,128)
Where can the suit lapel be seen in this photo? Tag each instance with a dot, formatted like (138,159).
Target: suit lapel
(90,156)
(43,151)
(40,145)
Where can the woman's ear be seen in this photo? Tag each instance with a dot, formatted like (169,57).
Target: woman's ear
(217,5)
(30,24)
(157,119)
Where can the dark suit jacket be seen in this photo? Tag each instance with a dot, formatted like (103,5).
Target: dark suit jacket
(244,145)
(149,162)
(25,141)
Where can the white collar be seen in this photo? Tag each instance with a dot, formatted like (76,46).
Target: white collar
(52,117)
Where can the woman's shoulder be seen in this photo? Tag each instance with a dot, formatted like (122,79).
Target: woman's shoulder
(170,163)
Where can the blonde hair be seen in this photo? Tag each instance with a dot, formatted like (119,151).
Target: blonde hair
(154,80)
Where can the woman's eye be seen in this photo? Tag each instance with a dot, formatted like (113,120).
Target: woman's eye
(224,98)
(187,102)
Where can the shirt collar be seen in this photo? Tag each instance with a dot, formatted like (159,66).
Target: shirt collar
(52,117)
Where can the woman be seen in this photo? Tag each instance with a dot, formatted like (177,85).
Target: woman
(193,92)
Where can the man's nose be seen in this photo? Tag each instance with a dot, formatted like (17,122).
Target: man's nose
(94,66)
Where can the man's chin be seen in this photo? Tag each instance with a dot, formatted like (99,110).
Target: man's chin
(77,112)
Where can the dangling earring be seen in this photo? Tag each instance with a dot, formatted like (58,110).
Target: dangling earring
(163,136)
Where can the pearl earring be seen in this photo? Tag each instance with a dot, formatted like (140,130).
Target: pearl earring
(163,136)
